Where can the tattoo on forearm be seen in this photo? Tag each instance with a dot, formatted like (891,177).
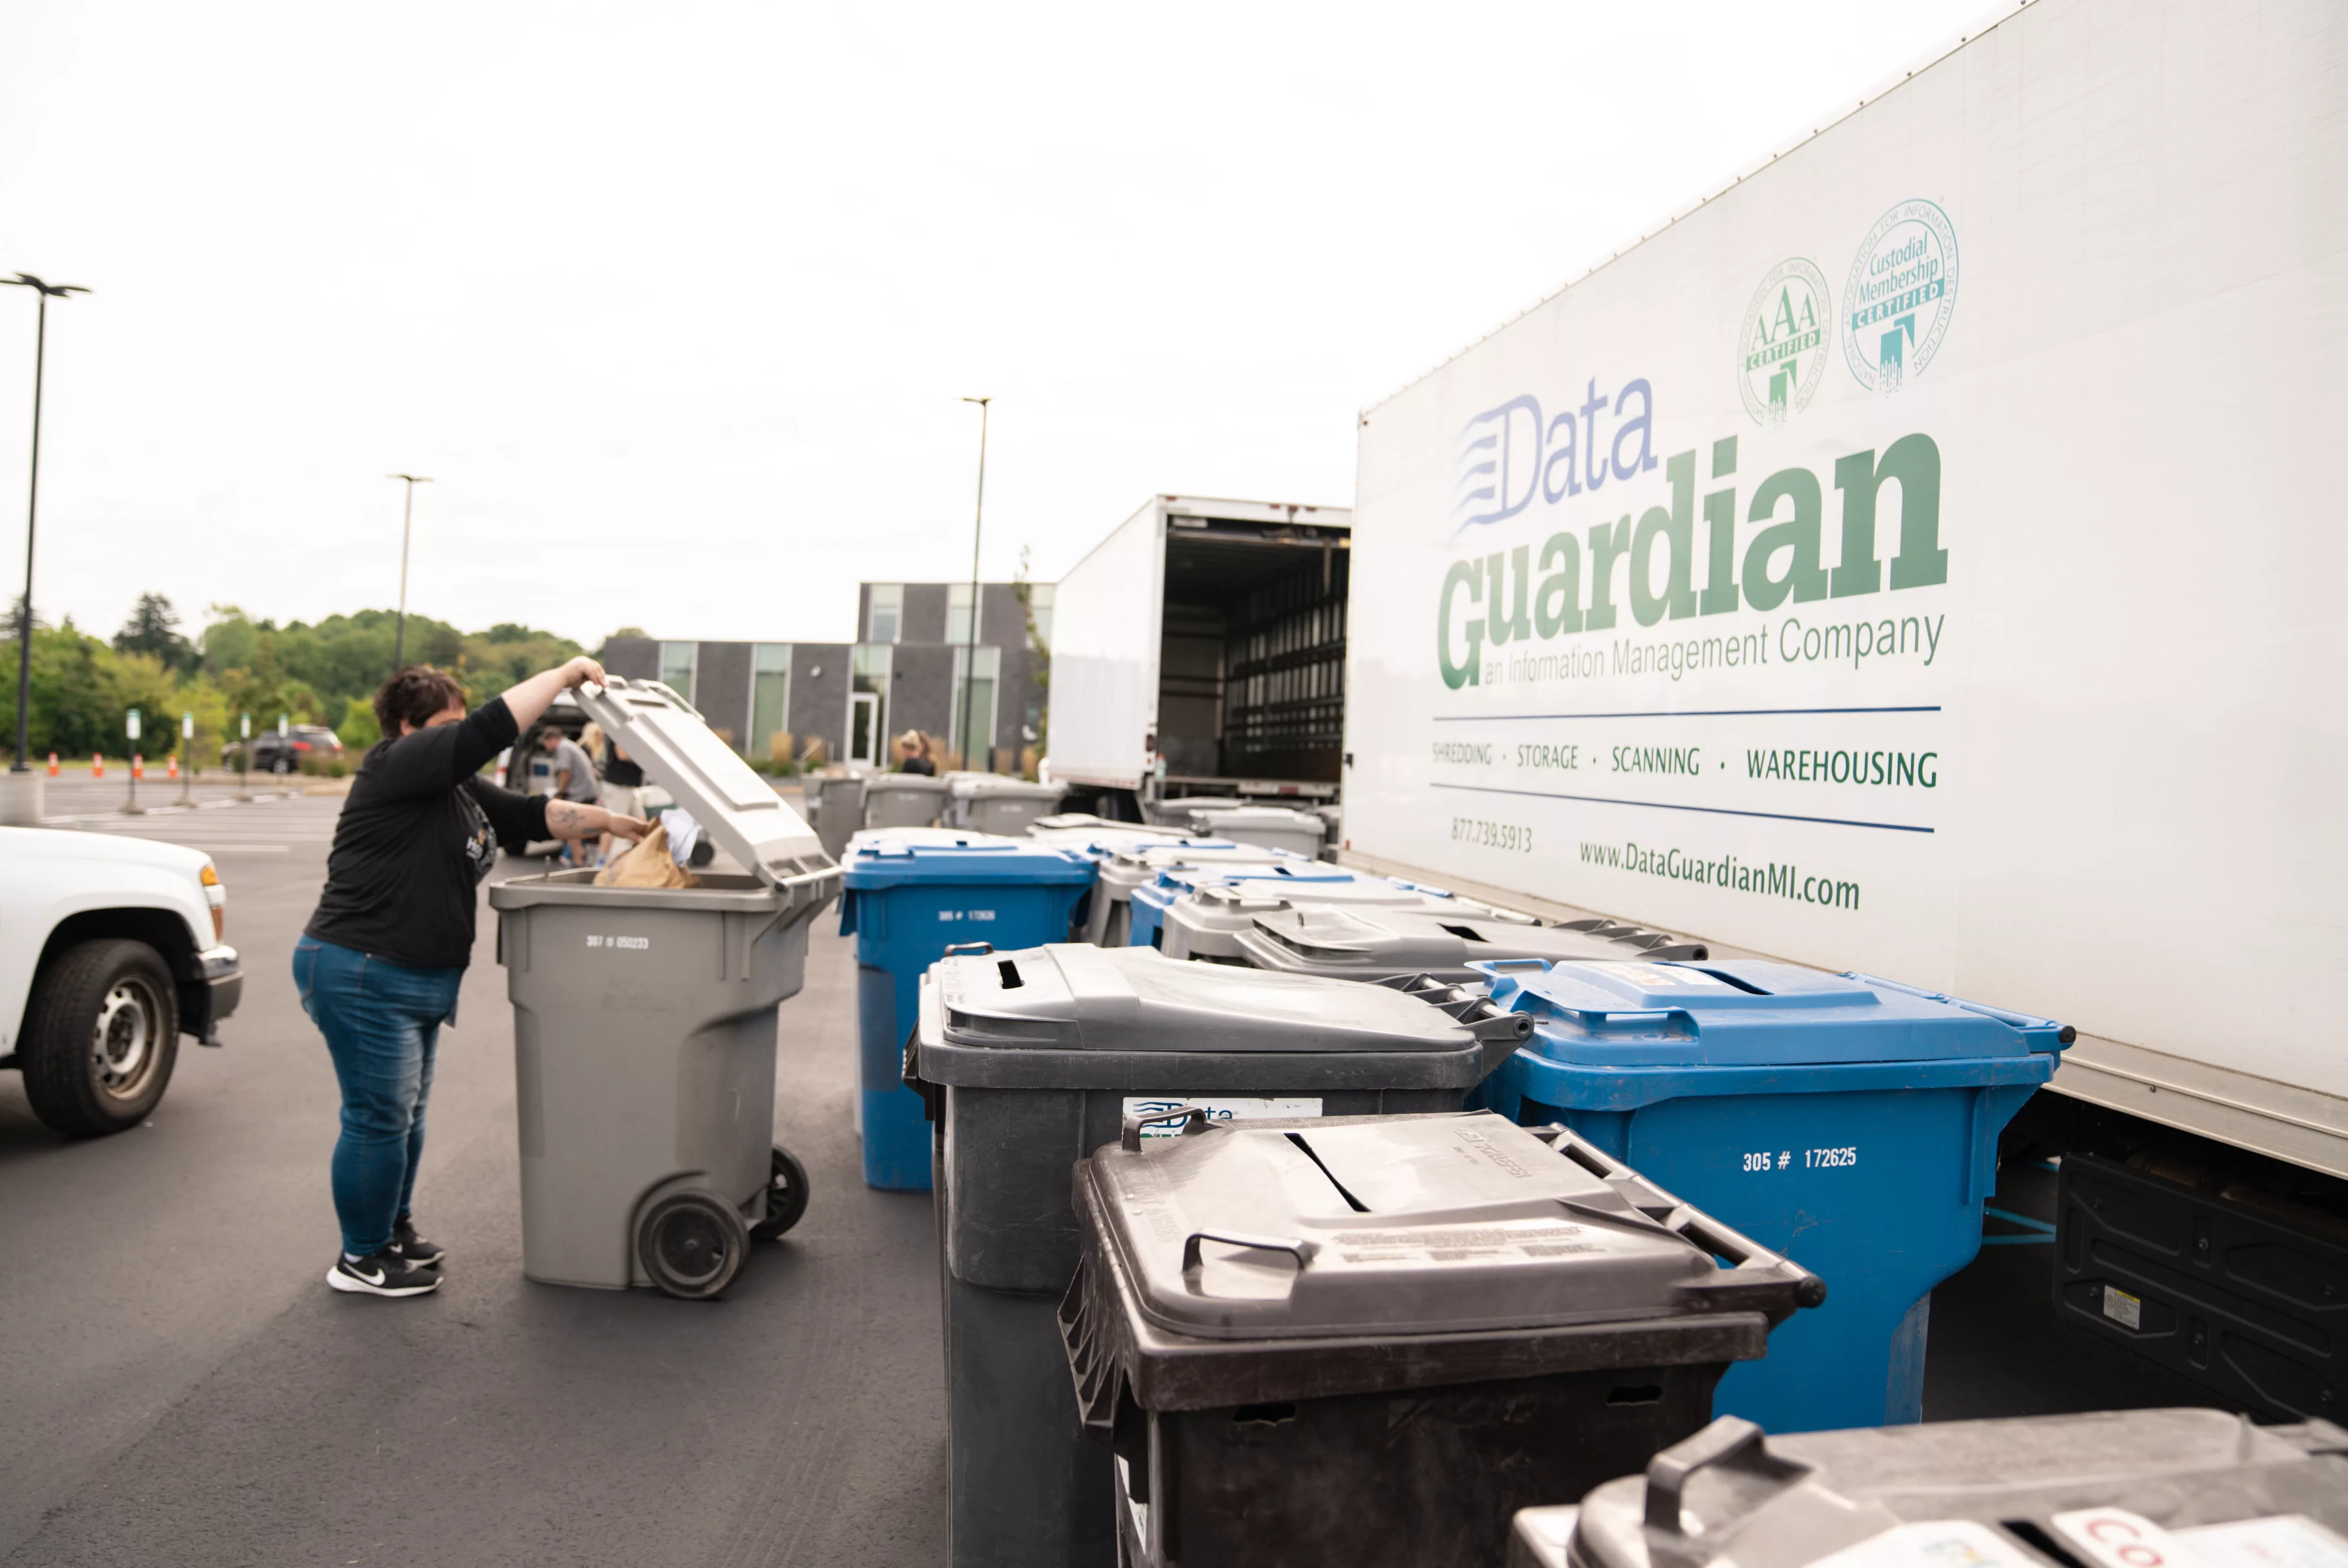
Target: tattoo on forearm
(566,819)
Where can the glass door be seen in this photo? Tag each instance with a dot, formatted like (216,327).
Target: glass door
(864,728)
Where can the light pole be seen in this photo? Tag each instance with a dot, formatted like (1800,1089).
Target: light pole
(33,503)
(970,651)
(407,516)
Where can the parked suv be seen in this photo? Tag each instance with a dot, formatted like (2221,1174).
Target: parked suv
(272,754)
(110,949)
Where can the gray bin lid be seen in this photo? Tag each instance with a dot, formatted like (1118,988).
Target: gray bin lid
(1324,939)
(1074,1016)
(738,809)
(969,786)
(1729,1492)
(902,784)
(1409,1225)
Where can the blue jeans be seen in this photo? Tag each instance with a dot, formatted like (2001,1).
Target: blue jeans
(382,1021)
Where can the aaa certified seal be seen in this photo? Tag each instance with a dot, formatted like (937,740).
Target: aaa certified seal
(1783,351)
(1901,293)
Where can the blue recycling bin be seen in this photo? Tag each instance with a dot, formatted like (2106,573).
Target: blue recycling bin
(1153,898)
(907,900)
(1850,1123)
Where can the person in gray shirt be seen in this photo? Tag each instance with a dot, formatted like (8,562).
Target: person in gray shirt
(575,779)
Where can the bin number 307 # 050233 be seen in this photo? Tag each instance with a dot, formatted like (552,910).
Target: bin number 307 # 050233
(1811,1159)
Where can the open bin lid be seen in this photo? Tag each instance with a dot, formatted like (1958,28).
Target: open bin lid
(1749,1011)
(1326,938)
(1411,1226)
(739,810)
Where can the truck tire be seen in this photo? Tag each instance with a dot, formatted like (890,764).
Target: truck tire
(101,1035)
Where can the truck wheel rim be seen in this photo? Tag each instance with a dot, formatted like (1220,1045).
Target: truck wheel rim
(123,1041)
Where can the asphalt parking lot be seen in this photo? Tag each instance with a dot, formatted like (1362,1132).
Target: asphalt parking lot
(181,1387)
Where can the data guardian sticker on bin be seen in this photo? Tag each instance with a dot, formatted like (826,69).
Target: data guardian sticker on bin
(1219,1108)
(1677,584)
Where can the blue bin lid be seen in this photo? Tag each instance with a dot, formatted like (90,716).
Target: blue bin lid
(1749,1012)
(1190,878)
(926,856)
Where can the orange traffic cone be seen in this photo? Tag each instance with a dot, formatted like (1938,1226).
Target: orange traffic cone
(138,766)
(97,764)
(53,764)
(172,771)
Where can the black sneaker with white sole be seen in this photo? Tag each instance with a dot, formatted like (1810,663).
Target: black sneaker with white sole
(384,1273)
(413,1247)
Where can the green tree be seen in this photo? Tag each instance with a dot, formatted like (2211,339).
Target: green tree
(153,630)
(1022,588)
(358,729)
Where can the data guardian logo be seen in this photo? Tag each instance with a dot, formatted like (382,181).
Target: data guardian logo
(1510,456)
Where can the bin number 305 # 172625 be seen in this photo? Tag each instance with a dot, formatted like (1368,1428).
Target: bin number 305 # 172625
(1811,1159)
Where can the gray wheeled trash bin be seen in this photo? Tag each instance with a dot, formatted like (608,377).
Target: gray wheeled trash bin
(903,800)
(992,803)
(1355,1340)
(1371,944)
(2152,1489)
(1035,1057)
(1270,827)
(645,1029)
(835,809)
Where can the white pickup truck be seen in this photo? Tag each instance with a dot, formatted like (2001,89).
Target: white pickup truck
(109,949)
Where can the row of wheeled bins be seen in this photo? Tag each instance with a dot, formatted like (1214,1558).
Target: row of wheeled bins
(1289,1214)
(1304,1216)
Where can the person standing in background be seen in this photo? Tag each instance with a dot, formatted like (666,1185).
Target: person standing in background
(624,784)
(914,755)
(574,781)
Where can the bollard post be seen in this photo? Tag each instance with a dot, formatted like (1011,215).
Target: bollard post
(131,806)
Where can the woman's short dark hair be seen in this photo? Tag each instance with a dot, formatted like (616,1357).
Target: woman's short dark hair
(419,694)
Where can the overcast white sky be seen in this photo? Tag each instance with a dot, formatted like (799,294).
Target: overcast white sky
(677,300)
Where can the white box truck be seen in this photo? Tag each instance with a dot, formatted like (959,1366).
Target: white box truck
(1923,556)
(1201,649)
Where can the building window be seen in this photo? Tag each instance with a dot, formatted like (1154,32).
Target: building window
(973,733)
(958,613)
(887,614)
(677,667)
(770,702)
(1039,605)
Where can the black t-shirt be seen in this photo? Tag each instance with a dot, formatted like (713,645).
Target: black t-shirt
(922,765)
(618,771)
(417,835)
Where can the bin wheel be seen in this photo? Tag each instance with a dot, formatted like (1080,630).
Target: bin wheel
(787,1197)
(692,1245)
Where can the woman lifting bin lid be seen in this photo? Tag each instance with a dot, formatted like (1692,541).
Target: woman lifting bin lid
(379,964)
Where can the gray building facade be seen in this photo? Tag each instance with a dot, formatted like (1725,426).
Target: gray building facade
(903,672)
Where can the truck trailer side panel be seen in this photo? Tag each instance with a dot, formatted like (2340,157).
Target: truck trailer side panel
(1106,616)
(1923,555)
